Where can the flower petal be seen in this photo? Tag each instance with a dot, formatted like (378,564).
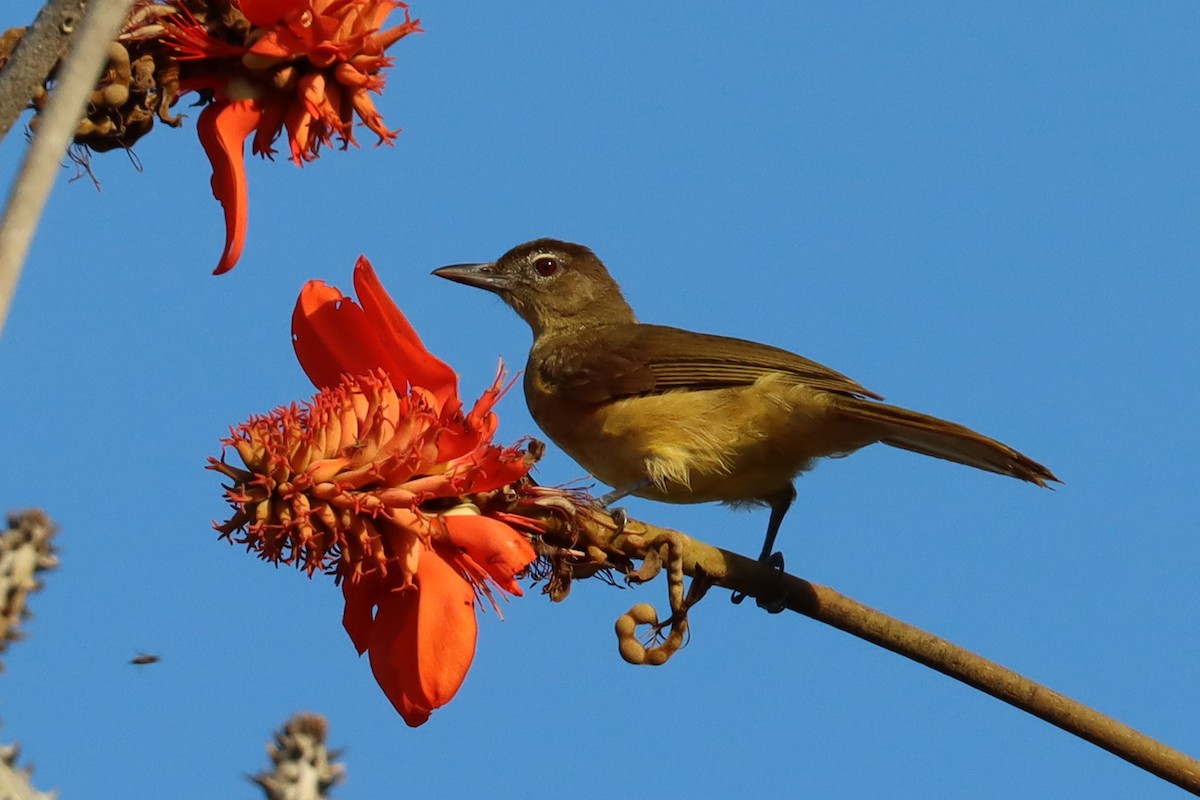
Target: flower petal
(274,111)
(223,128)
(265,13)
(364,106)
(500,466)
(423,641)
(332,336)
(360,610)
(410,360)
(320,309)
(492,545)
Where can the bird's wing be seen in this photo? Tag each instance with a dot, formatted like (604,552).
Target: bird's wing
(626,360)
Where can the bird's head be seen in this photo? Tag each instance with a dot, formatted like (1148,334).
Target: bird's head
(554,285)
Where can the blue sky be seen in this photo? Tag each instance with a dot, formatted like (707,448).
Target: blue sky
(984,213)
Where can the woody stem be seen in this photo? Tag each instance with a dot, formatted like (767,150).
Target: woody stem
(88,55)
(42,45)
(755,578)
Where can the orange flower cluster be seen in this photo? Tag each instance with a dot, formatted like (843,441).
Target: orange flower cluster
(367,481)
(307,66)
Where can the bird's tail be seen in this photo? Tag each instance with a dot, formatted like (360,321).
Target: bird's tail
(930,436)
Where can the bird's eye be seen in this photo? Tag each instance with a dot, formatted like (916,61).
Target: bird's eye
(546,266)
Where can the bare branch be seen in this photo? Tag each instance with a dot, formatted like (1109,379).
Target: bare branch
(43,44)
(595,534)
(87,58)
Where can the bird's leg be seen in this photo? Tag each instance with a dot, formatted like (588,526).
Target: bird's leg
(618,514)
(779,503)
(624,491)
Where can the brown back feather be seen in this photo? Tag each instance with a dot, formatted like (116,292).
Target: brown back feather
(635,359)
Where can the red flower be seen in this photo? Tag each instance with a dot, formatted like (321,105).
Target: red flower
(368,480)
(309,66)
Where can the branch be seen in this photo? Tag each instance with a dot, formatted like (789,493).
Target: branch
(87,58)
(303,768)
(592,534)
(40,49)
(26,549)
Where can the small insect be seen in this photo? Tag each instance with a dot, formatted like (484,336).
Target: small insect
(145,658)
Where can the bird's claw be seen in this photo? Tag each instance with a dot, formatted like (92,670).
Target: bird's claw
(772,605)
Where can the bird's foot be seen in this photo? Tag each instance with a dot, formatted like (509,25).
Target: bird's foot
(772,605)
(620,518)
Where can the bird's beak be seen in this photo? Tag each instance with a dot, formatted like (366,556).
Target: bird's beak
(481,276)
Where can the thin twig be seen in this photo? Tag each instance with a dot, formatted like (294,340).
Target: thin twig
(741,574)
(44,43)
(89,53)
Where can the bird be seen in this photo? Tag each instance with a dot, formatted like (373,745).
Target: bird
(685,417)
